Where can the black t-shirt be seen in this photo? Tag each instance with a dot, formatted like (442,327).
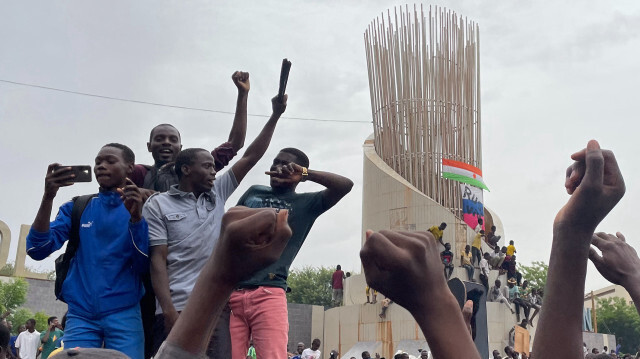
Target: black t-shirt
(303,209)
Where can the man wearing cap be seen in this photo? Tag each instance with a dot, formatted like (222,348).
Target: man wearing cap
(514,297)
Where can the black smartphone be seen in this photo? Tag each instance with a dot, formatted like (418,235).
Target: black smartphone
(284,78)
(83,173)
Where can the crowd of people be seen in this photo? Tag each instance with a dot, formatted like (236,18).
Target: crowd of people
(146,237)
(162,270)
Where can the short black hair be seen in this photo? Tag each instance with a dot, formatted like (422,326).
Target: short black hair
(162,125)
(444,225)
(301,158)
(51,319)
(510,242)
(316,340)
(127,154)
(338,267)
(186,157)
(32,321)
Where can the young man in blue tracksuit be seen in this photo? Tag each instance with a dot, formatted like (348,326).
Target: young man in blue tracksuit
(103,287)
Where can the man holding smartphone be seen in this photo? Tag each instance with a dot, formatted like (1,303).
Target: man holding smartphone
(49,337)
(103,286)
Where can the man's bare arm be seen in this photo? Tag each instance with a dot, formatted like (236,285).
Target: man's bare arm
(259,146)
(160,283)
(394,261)
(595,185)
(337,186)
(619,263)
(239,127)
(57,177)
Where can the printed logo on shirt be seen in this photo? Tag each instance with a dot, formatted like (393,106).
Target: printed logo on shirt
(87,225)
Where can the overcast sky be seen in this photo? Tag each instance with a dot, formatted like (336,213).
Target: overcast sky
(553,74)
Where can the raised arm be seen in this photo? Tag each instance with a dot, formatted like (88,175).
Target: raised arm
(595,185)
(250,239)
(225,152)
(56,177)
(259,146)
(394,261)
(239,127)
(619,263)
(41,241)
(336,186)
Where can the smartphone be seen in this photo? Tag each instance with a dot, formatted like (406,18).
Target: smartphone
(83,173)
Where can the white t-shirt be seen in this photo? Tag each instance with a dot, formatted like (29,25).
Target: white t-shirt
(28,344)
(310,354)
(484,267)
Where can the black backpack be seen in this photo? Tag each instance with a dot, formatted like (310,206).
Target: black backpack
(64,260)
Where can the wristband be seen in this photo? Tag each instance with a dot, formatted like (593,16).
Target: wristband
(305,174)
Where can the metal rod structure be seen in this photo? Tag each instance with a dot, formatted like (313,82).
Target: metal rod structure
(424,83)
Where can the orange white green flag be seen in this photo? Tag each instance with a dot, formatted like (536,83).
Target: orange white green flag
(463,172)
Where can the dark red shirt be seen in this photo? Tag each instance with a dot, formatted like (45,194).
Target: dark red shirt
(336,279)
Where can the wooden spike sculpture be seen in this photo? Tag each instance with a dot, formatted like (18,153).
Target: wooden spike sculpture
(424,82)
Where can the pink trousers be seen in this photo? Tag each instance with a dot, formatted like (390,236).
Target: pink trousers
(260,314)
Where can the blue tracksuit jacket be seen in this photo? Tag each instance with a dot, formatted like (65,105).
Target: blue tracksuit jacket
(104,275)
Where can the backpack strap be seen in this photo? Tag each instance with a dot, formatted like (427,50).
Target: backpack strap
(79,204)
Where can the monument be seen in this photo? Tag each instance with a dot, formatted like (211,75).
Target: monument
(422,167)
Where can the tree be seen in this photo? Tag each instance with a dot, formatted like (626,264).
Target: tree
(13,294)
(310,285)
(41,321)
(535,274)
(616,316)
(19,317)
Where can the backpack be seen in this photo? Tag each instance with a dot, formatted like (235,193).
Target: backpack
(64,260)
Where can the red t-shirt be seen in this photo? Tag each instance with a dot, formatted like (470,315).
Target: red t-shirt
(336,280)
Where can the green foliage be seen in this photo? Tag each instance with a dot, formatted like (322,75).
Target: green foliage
(41,321)
(19,317)
(310,285)
(8,270)
(13,294)
(535,274)
(616,316)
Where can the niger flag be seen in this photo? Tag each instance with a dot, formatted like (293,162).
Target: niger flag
(463,172)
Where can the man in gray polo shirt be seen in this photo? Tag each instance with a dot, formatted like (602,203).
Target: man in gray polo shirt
(184,225)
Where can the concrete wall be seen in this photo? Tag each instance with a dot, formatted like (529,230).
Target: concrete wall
(349,325)
(306,322)
(41,296)
(598,340)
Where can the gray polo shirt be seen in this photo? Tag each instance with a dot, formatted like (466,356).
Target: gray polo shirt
(190,228)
